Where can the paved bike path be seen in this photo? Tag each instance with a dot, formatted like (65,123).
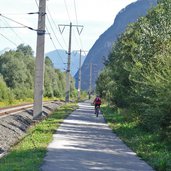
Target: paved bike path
(84,142)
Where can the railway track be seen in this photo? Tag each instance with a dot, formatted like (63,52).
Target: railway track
(15,120)
(14,109)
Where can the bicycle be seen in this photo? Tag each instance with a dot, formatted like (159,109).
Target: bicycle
(97,110)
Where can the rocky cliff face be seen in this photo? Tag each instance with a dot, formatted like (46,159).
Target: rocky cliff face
(102,47)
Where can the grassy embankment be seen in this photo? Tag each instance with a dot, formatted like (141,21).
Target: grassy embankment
(149,146)
(29,153)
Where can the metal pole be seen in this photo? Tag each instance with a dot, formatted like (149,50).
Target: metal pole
(67,92)
(39,62)
(90,81)
(68,67)
(79,78)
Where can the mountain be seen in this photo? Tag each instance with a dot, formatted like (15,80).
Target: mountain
(102,47)
(60,59)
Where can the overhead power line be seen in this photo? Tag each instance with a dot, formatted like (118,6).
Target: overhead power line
(54,32)
(55,47)
(37,3)
(56,28)
(50,37)
(67,10)
(12,27)
(76,16)
(17,35)
(18,23)
(75,12)
(21,13)
(8,39)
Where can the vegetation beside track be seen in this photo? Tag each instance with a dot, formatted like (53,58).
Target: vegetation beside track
(148,145)
(29,153)
(17,78)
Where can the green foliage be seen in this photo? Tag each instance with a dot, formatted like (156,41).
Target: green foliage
(26,50)
(5,93)
(137,75)
(54,80)
(22,92)
(13,69)
(104,89)
(17,69)
(149,146)
(73,90)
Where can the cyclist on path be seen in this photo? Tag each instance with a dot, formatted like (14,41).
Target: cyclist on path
(97,102)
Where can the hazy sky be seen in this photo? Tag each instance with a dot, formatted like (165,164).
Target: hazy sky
(95,15)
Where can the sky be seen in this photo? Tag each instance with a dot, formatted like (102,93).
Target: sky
(96,16)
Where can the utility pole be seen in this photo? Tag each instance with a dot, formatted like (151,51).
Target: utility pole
(68,66)
(79,74)
(90,81)
(39,63)
(69,56)
(79,78)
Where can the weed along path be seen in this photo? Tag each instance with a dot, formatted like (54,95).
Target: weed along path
(84,142)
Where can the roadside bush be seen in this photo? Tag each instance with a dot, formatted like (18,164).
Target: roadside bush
(22,92)
(140,71)
(5,93)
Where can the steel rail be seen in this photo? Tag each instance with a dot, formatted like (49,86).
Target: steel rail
(19,108)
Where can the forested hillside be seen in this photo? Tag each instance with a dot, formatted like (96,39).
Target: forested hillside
(137,75)
(17,76)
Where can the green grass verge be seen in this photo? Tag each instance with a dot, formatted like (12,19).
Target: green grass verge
(24,101)
(148,146)
(29,153)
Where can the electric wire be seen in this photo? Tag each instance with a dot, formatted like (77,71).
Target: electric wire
(76,16)
(53,30)
(20,13)
(9,40)
(75,12)
(67,11)
(51,37)
(11,28)
(56,28)
(56,39)
(18,22)
(55,46)
(37,3)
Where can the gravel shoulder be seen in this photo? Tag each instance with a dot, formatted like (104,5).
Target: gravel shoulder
(14,127)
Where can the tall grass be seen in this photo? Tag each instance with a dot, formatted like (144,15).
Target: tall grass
(148,145)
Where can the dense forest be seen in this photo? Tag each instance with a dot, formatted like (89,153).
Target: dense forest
(137,74)
(17,76)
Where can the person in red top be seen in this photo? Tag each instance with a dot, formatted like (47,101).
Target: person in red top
(97,101)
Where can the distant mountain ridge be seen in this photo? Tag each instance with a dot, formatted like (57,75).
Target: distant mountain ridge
(102,47)
(60,60)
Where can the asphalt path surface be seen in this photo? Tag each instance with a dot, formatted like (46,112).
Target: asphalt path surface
(84,142)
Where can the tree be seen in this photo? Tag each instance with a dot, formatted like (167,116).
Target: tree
(26,50)
(4,90)
(140,69)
